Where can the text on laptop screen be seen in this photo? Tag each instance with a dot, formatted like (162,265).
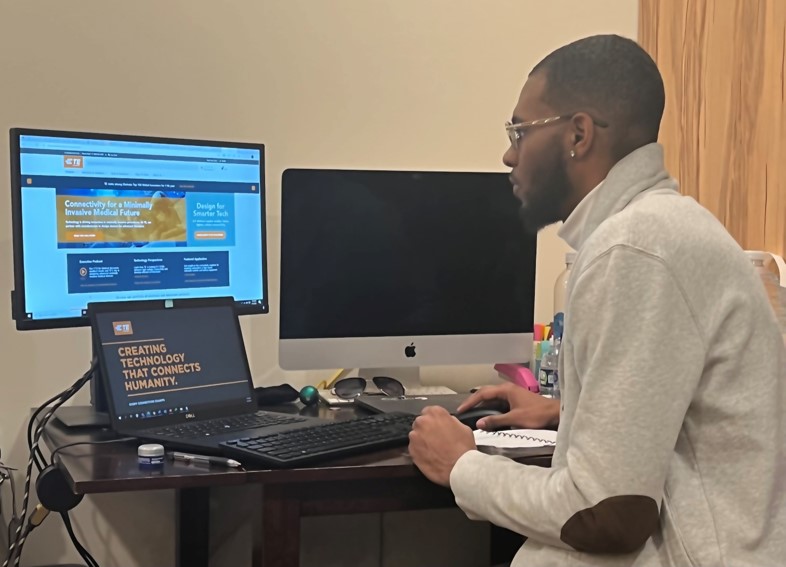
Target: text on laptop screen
(170,361)
(105,219)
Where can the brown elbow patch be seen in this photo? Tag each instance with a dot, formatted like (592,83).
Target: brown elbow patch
(620,524)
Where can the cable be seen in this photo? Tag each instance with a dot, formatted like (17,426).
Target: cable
(38,457)
(39,515)
(84,553)
(15,547)
(9,474)
(335,377)
(23,530)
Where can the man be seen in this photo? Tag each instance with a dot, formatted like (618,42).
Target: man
(671,449)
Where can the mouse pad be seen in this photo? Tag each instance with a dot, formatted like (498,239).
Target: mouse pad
(413,404)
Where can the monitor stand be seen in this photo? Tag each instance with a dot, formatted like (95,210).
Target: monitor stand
(94,415)
(409,376)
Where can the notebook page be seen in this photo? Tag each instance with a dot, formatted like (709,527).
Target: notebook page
(516,438)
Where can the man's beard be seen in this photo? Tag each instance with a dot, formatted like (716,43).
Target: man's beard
(546,199)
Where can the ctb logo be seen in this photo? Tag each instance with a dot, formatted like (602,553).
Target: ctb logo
(73,162)
(122,328)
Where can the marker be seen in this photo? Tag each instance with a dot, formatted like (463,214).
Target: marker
(205,460)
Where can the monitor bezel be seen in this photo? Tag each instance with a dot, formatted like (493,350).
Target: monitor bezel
(18,299)
(225,409)
(390,352)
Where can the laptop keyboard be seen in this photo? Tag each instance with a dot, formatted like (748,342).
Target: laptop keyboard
(223,425)
(323,441)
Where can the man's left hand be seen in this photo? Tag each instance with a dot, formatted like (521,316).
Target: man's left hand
(437,441)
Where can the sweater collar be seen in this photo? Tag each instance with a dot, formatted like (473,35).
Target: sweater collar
(637,172)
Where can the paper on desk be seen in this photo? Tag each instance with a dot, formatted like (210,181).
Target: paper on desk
(516,438)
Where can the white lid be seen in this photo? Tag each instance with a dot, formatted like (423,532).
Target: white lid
(570,257)
(150,450)
(758,256)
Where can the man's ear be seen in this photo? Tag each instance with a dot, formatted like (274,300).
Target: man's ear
(582,134)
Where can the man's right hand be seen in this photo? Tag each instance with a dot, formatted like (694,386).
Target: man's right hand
(527,409)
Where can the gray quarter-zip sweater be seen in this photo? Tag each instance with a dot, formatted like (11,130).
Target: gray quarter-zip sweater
(671,448)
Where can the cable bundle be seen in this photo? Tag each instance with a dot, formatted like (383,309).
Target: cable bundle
(27,523)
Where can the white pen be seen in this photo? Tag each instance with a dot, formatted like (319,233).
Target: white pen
(205,460)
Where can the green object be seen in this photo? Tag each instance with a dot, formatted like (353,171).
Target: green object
(309,395)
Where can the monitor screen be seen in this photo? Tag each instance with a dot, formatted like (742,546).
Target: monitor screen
(159,362)
(405,261)
(102,218)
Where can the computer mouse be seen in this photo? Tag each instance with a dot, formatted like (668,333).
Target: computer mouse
(471,416)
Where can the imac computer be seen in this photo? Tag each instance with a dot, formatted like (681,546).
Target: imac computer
(100,218)
(386,270)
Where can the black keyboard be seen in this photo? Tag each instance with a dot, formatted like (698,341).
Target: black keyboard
(323,441)
(222,425)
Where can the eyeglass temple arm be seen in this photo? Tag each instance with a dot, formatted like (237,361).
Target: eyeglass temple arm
(596,121)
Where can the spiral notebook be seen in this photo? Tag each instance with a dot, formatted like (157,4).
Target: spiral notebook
(516,438)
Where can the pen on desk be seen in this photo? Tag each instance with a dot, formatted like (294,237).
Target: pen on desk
(205,460)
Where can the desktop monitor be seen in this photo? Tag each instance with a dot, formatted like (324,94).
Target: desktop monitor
(393,269)
(100,218)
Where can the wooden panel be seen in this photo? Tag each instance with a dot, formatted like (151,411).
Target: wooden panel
(724,129)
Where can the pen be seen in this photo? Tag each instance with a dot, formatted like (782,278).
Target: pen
(205,460)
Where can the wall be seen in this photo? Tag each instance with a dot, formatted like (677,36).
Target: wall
(724,129)
(340,83)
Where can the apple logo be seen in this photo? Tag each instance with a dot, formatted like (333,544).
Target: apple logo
(409,351)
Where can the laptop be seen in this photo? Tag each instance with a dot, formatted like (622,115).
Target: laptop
(176,372)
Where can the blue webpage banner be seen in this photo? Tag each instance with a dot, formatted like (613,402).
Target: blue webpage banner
(108,218)
(139,272)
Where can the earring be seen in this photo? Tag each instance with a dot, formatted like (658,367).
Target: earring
(572,153)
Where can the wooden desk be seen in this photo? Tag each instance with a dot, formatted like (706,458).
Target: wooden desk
(383,481)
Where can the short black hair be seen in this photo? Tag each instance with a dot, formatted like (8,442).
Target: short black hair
(612,76)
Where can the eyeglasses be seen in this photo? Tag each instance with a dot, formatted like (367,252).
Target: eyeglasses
(351,388)
(515,131)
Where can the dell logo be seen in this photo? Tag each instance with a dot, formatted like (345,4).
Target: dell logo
(190,416)
(409,351)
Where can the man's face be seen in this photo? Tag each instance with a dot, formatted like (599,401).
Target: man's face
(538,166)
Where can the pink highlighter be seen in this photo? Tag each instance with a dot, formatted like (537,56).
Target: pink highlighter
(518,374)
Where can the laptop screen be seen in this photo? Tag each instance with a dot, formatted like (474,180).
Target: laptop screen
(170,365)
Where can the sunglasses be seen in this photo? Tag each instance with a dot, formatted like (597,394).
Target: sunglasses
(351,388)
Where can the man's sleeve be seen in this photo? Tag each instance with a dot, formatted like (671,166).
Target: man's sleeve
(639,356)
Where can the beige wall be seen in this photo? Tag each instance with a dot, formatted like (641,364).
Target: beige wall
(339,83)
